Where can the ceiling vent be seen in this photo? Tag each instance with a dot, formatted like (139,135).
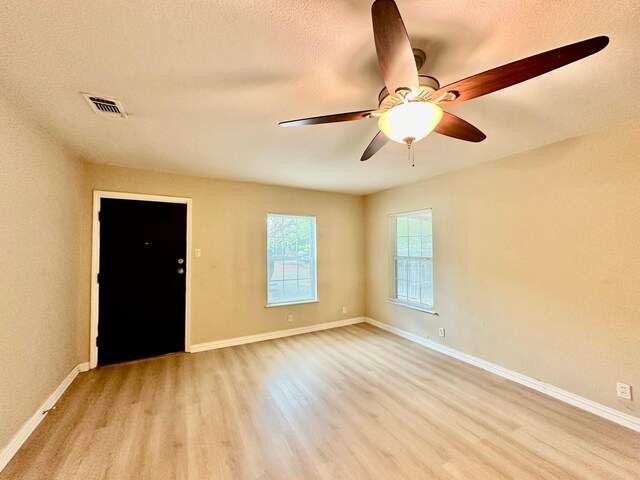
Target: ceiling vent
(109,107)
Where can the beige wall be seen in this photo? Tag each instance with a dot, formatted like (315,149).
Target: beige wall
(40,198)
(229,221)
(537,262)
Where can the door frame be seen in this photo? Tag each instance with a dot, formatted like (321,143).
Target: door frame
(98,195)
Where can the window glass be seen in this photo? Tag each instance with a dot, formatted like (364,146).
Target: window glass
(291,259)
(413,259)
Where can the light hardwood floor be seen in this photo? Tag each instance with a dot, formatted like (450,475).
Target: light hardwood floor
(350,403)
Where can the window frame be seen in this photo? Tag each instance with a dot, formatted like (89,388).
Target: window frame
(314,242)
(393,257)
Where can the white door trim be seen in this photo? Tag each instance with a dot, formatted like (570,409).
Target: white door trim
(98,195)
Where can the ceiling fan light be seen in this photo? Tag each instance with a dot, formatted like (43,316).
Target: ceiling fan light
(410,122)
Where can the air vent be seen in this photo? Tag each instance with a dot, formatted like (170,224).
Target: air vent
(109,107)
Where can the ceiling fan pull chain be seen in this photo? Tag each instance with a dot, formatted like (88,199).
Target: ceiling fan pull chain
(410,153)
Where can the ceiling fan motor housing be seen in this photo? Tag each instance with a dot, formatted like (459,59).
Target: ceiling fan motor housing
(428,85)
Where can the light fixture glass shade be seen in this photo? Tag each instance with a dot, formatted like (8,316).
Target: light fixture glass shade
(410,122)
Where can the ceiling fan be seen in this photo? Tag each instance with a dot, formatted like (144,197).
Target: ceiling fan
(409,106)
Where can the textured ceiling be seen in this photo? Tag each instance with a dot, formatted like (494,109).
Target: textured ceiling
(206,82)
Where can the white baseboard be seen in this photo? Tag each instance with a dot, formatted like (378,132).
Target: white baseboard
(230,342)
(30,425)
(603,411)
(83,367)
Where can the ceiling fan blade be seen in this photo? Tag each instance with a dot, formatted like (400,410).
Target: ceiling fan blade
(379,141)
(336,117)
(455,127)
(521,70)
(393,47)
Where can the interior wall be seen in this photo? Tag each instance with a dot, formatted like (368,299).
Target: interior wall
(40,198)
(536,262)
(228,283)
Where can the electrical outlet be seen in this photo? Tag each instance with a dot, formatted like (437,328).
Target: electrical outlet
(344,309)
(289,318)
(198,252)
(441,332)
(624,390)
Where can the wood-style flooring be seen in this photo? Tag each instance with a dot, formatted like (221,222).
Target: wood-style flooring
(349,403)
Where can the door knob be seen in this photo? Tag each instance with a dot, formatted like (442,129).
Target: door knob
(180,271)
(180,261)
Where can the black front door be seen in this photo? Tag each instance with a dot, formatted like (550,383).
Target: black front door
(143,248)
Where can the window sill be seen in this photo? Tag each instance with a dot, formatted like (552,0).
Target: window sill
(272,305)
(414,307)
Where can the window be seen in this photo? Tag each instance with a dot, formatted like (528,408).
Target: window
(412,249)
(291,259)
